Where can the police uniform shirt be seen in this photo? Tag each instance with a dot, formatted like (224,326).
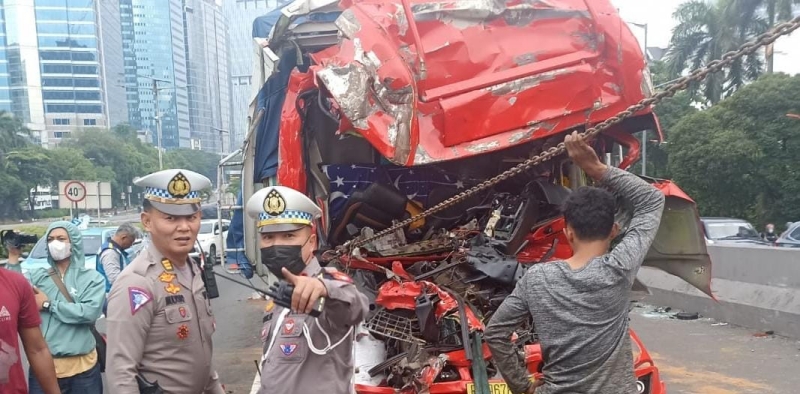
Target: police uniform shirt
(289,364)
(160,323)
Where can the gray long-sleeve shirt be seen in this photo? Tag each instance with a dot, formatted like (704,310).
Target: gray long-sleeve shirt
(581,315)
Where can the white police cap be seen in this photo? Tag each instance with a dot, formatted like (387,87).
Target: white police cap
(175,191)
(280,208)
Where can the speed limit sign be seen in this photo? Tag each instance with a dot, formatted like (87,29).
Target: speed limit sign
(75,191)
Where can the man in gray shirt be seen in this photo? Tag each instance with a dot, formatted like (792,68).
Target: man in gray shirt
(580,306)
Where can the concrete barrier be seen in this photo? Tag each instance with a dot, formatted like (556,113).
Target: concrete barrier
(756,287)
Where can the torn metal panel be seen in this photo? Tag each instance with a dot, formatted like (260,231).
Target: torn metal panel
(482,80)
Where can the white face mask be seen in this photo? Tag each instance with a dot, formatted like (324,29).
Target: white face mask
(59,250)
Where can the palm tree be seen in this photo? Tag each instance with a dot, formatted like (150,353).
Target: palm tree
(775,11)
(706,31)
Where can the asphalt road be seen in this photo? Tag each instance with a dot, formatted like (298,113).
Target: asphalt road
(707,357)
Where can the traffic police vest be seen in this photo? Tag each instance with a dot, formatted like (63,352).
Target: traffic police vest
(123,260)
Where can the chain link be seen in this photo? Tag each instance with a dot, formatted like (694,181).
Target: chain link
(678,85)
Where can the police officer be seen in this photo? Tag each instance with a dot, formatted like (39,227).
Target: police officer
(303,354)
(160,320)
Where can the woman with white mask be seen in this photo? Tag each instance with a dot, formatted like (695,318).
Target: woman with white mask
(68,319)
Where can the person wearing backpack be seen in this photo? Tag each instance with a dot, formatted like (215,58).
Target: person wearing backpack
(113,257)
(70,298)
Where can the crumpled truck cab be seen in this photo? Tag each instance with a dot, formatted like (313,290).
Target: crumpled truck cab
(380,109)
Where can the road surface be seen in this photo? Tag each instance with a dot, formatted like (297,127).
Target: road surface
(707,357)
(695,357)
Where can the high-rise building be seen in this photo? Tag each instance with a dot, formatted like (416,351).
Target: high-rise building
(154,49)
(207,71)
(51,66)
(240,15)
(112,66)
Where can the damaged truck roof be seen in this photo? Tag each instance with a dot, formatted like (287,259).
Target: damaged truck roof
(431,81)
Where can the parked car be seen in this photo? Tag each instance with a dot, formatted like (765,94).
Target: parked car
(93,238)
(211,236)
(791,237)
(731,231)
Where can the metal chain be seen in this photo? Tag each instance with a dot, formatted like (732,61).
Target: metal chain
(678,85)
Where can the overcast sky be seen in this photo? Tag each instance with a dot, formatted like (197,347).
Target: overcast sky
(657,14)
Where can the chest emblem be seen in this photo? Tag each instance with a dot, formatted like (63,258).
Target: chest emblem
(288,348)
(183,331)
(182,310)
(166,277)
(172,289)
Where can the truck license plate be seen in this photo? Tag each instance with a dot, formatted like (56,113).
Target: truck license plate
(494,388)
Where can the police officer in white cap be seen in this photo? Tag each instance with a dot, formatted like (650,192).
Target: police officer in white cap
(302,353)
(160,320)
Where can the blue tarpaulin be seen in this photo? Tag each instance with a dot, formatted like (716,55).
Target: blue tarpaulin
(270,99)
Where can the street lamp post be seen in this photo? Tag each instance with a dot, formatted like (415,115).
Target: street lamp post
(221,139)
(644,133)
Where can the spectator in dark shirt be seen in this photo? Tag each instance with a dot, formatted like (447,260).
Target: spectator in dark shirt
(580,306)
(20,316)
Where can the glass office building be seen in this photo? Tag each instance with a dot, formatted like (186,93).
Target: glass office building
(153,43)
(50,66)
(240,15)
(207,60)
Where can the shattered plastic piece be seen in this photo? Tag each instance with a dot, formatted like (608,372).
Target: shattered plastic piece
(393,295)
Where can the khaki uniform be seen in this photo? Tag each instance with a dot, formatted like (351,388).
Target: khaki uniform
(289,365)
(160,325)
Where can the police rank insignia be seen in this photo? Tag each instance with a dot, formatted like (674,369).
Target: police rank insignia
(183,331)
(274,204)
(167,265)
(166,277)
(179,186)
(139,298)
(288,348)
(172,289)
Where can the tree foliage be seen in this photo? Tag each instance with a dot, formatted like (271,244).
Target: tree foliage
(740,157)
(707,30)
(91,155)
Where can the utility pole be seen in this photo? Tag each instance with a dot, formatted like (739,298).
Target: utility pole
(221,140)
(157,110)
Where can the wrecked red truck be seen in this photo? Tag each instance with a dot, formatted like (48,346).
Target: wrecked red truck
(381,109)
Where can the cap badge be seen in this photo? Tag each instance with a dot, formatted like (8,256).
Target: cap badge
(274,204)
(179,186)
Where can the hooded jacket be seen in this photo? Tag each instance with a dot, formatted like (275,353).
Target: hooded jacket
(66,327)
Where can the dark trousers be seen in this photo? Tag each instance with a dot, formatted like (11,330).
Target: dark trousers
(89,382)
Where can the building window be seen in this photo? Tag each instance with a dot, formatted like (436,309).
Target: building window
(90,122)
(61,122)
(61,134)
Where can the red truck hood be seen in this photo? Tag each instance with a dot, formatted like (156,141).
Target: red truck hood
(462,78)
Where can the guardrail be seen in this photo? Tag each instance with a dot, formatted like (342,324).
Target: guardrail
(756,287)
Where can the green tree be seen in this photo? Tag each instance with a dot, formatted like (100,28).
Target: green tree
(202,162)
(31,165)
(775,11)
(69,163)
(739,158)
(707,30)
